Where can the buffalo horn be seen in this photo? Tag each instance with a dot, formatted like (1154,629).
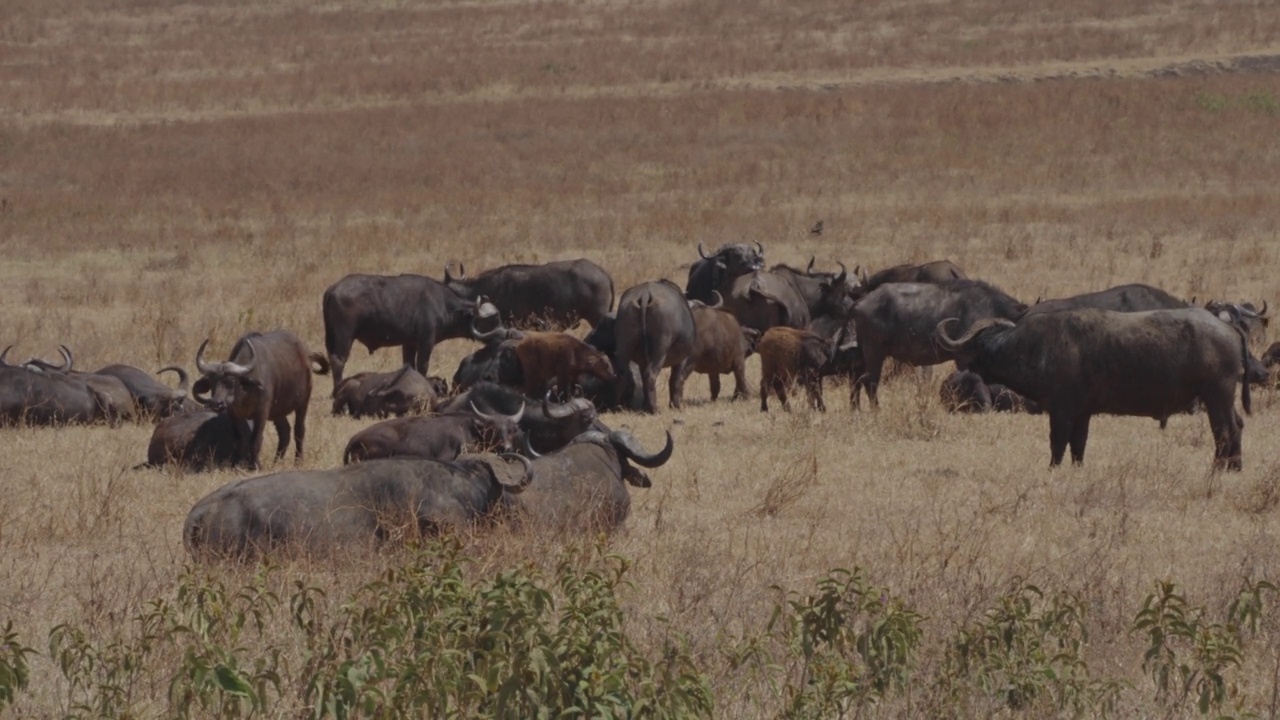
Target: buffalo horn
(559,411)
(628,446)
(759,249)
(528,448)
(514,419)
(812,260)
(184,382)
(3,362)
(940,332)
(844,273)
(498,333)
(525,479)
(702,254)
(719,299)
(237,368)
(1263,311)
(1243,311)
(67,359)
(863,277)
(205,368)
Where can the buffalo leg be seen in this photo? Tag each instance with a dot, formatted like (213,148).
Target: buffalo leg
(1060,426)
(871,379)
(255,444)
(740,391)
(299,431)
(713,379)
(649,376)
(282,429)
(1079,436)
(675,384)
(1225,424)
(764,395)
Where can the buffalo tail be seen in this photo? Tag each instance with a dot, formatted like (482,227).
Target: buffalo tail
(1245,400)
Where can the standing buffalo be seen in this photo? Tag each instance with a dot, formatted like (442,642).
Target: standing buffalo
(436,437)
(762,300)
(931,272)
(547,357)
(826,295)
(199,440)
(788,355)
(390,393)
(1078,363)
(1246,315)
(411,311)
(897,320)
(717,271)
(546,425)
(364,504)
(495,362)
(266,377)
(559,293)
(625,391)
(720,346)
(655,330)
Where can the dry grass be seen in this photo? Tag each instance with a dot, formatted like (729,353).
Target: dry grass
(174,173)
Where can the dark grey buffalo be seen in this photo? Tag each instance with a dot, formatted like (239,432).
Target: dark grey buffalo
(435,437)
(554,293)
(266,378)
(495,362)
(964,391)
(717,271)
(762,300)
(1134,297)
(546,425)
(411,311)
(351,507)
(825,294)
(897,320)
(655,330)
(1246,315)
(153,398)
(383,394)
(117,401)
(35,397)
(1079,363)
(199,440)
(625,391)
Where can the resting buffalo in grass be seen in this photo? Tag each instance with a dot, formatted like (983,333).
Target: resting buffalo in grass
(554,293)
(389,393)
(1078,363)
(547,425)
(655,330)
(199,440)
(150,397)
(351,507)
(436,437)
(966,392)
(717,271)
(1133,297)
(34,397)
(411,311)
(897,320)
(116,399)
(266,378)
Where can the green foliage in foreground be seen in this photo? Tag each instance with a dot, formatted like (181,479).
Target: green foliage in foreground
(429,639)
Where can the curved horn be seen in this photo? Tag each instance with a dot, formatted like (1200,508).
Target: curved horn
(1242,311)
(559,411)
(528,472)
(515,419)
(184,382)
(480,413)
(719,299)
(67,359)
(630,448)
(812,260)
(205,368)
(3,362)
(844,274)
(701,253)
(448,276)
(1263,311)
(759,248)
(528,448)
(940,333)
(205,401)
(237,368)
(498,333)
(862,278)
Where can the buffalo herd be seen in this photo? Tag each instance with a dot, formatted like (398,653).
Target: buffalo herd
(517,434)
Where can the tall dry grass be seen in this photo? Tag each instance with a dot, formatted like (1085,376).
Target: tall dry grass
(169,174)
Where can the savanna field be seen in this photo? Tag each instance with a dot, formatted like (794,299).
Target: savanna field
(171,173)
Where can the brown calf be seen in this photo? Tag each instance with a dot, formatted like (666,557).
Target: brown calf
(788,355)
(547,356)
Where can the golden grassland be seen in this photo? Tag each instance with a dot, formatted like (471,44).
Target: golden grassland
(171,173)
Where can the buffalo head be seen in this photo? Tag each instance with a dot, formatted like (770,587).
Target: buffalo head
(231,386)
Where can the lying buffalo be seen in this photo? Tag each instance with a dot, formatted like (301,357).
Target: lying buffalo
(558,293)
(266,378)
(579,488)
(547,425)
(495,362)
(1078,363)
(435,437)
(355,505)
(148,397)
(411,311)
(966,392)
(34,397)
(396,393)
(1134,297)
(199,440)
(115,399)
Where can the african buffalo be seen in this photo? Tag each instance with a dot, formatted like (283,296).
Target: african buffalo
(655,330)
(33,397)
(931,272)
(559,358)
(397,393)
(266,377)
(364,504)
(117,401)
(717,271)
(148,397)
(435,437)
(496,361)
(1133,297)
(625,391)
(825,294)
(1078,363)
(964,391)
(1246,315)
(787,356)
(559,293)
(199,440)
(720,346)
(411,311)
(547,425)
(761,300)
(896,320)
